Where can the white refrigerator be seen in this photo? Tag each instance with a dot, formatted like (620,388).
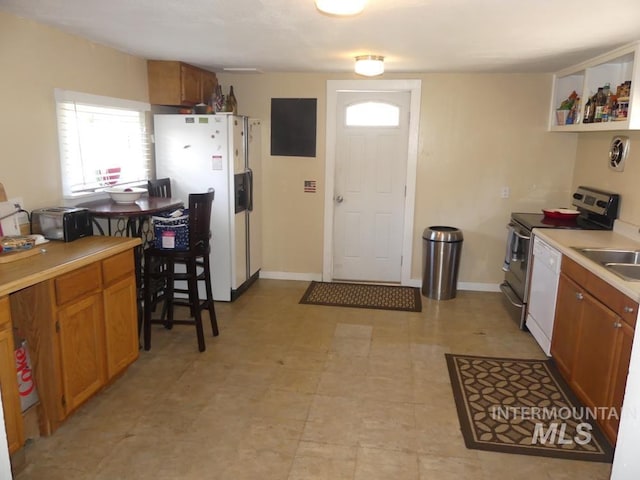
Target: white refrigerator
(199,152)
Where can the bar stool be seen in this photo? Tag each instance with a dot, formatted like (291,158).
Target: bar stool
(196,260)
(160,187)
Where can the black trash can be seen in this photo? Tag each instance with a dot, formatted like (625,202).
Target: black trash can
(441,248)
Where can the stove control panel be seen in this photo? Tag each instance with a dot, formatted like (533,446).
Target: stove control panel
(596,201)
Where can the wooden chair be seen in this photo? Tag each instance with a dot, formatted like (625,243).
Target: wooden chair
(159,188)
(196,260)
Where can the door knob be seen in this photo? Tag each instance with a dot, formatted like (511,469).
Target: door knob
(579,296)
(339,199)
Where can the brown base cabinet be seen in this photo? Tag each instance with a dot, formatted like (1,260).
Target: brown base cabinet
(591,343)
(82,331)
(8,382)
(119,298)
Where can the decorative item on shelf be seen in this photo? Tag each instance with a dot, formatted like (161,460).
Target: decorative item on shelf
(201,108)
(568,112)
(601,100)
(622,109)
(621,102)
(606,106)
(232,103)
(588,110)
(217,100)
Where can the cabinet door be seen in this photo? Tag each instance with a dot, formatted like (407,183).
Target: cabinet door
(190,85)
(565,325)
(81,333)
(8,381)
(121,325)
(591,375)
(624,341)
(209,83)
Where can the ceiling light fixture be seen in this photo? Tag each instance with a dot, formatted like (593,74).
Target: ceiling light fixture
(369,65)
(341,7)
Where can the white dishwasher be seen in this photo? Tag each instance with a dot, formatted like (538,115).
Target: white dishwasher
(543,289)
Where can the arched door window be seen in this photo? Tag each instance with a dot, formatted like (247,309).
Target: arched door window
(372,114)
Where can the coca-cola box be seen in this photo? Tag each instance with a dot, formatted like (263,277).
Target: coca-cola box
(26,381)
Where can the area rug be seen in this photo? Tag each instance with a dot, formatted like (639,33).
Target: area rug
(359,295)
(525,407)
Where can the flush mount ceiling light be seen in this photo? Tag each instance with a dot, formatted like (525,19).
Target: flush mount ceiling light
(341,7)
(369,65)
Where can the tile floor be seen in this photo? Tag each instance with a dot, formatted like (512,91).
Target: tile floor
(298,392)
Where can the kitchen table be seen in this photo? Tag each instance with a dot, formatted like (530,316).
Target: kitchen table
(130,220)
(133,214)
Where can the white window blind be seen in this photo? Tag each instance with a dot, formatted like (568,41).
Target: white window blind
(104,142)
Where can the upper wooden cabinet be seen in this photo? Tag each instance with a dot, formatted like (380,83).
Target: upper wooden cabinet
(614,68)
(179,84)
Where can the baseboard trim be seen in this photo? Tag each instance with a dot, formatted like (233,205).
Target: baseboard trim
(302,277)
(414,282)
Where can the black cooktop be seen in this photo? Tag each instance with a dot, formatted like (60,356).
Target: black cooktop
(597,209)
(539,220)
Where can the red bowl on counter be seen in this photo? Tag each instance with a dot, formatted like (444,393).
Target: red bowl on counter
(561,213)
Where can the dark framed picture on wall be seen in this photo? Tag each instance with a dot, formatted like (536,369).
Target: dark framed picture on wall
(293,127)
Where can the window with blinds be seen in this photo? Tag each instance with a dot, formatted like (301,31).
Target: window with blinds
(103,142)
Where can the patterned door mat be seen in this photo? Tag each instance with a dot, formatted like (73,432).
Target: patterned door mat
(525,407)
(359,295)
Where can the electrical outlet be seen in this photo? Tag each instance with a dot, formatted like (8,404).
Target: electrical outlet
(18,201)
(505,192)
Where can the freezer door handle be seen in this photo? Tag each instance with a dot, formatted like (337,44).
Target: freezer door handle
(250,189)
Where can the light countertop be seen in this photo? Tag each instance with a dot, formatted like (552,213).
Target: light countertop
(564,240)
(57,258)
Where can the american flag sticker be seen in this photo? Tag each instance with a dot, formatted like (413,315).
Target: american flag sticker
(309,186)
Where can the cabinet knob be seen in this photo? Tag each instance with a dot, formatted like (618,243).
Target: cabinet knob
(628,309)
(579,296)
(617,324)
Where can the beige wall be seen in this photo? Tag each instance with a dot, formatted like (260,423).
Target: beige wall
(592,169)
(36,59)
(478,133)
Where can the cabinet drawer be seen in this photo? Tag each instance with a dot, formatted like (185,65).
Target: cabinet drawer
(116,267)
(574,271)
(78,283)
(607,294)
(613,298)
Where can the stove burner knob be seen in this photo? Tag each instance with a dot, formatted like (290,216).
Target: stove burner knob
(578,196)
(601,204)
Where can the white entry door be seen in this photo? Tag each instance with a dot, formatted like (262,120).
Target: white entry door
(372,136)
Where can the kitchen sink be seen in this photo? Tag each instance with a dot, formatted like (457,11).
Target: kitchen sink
(628,271)
(608,255)
(624,263)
